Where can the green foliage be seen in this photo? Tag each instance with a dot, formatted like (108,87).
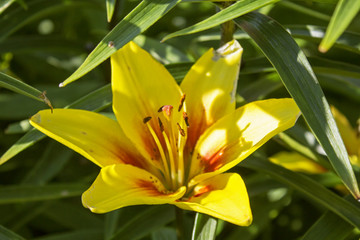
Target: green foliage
(44,43)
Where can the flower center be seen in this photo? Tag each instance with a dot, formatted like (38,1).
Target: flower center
(169,132)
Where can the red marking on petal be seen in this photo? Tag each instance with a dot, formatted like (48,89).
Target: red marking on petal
(149,187)
(202,190)
(213,162)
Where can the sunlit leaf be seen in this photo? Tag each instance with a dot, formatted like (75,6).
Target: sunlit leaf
(204,227)
(344,13)
(136,22)
(299,79)
(229,13)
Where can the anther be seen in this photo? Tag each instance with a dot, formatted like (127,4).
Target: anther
(167,109)
(186,119)
(145,120)
(182,132)
(182,100)
(161,125)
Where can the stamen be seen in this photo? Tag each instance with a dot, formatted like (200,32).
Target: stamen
(145,120)
(161,125)
(161,151)
(186,119)
(171,159)
(182,100)
(161,109)
(182,132)
(167,109)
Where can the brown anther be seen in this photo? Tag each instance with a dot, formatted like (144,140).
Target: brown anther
(161,125)
(161,109)
(186,119)
(145,120)
(182,100)
(182,132)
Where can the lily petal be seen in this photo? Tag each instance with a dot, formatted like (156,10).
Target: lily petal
(237,135)
(223,196)
(210,87)
(141,86)
(297,162)
(96,137)
(121,185)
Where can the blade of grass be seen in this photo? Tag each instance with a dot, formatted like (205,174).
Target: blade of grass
(229,13)
(136,22)
(344,13)
(299,79)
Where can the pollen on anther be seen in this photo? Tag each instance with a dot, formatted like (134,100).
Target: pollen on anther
(146,119)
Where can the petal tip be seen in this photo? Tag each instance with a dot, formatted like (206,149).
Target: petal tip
(229,50)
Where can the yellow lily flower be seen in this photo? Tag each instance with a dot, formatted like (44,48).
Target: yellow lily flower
(167,147)
(299,163)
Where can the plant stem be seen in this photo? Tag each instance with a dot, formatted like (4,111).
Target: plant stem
(180,230)
(227,28)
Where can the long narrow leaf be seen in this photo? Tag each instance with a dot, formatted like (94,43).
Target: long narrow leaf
(136,22)
(299,79)
(16,193)
(229,13)
(330,226)
(346,209)
(94,101)
(344,13)
(19,87)
(204,227)
(6,234)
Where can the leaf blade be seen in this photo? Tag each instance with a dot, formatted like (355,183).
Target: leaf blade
(299,79)
(136,22)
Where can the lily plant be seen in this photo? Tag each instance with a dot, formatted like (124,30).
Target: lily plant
(296,162)
(171,144)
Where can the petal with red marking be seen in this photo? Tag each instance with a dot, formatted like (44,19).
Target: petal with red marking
(223,196)
(121,185)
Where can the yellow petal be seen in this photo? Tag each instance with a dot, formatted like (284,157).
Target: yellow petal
(237,135)
(141,86)
(296,162)
(348,134)
(210,87)
(96,137)
(223,196)
(121,185)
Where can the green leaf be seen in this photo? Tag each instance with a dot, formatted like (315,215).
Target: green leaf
(330,226)
(110,7)
(19,17)
(6,234)
(93,234)
(349,210)
(20,87)
(348,40)
(299,79)
(136,22)
(16,193)
(204,227)
(145,222)
(344,13)
(229,13)
(94,101)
